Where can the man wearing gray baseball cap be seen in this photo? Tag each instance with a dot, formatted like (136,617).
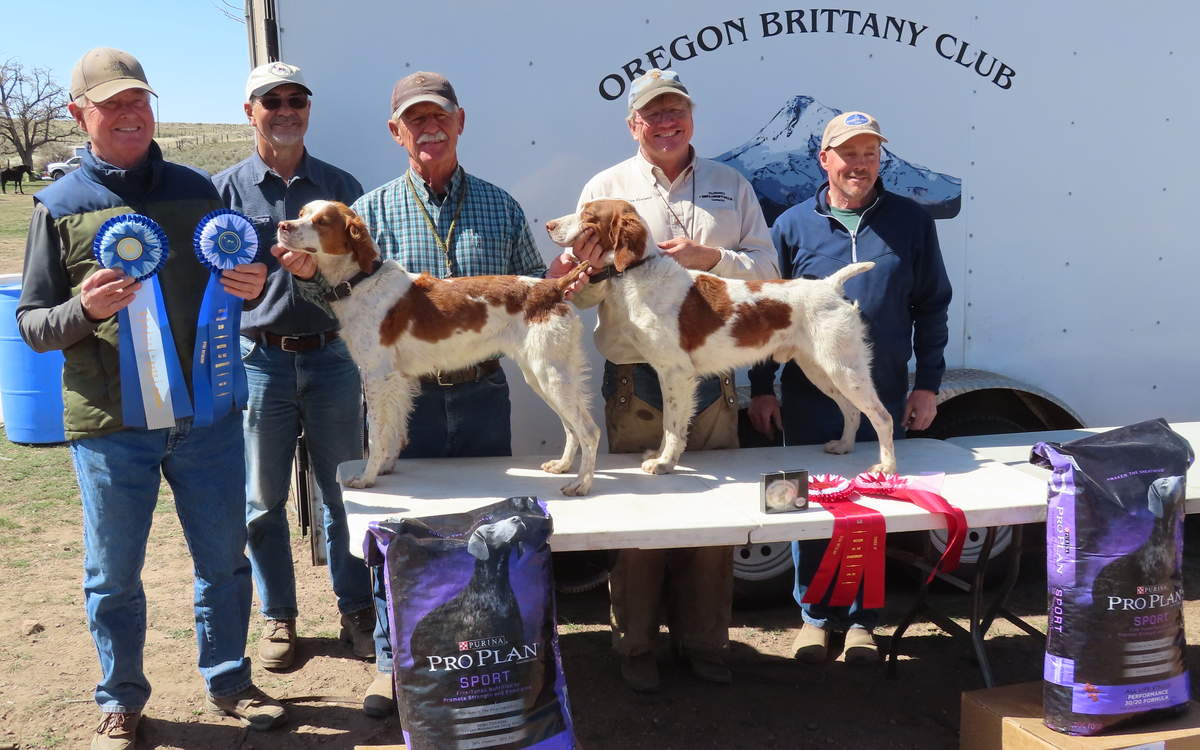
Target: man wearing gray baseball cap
(69,302)
(705,216)
(300,374)
(437,218)
(903,300)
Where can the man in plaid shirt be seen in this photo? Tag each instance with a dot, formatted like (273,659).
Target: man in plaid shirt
(438,219)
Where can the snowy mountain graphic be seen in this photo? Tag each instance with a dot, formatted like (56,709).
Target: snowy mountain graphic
(781,163)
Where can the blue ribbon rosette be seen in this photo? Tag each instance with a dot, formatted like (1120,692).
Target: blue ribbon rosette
(223,239)
(153,390)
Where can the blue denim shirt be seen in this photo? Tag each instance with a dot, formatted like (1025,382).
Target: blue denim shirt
(257,191)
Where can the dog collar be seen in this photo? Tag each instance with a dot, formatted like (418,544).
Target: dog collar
(610,273)
(342,290)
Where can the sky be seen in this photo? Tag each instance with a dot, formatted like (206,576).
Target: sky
(195,57)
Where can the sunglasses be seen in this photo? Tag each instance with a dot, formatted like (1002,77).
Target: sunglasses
(295,101)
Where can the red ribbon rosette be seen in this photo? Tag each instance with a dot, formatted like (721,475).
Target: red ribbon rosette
(896,487)
(855,555)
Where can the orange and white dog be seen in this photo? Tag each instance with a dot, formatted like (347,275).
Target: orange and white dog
(689,323)
(400,326)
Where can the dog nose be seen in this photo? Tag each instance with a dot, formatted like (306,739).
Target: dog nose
(551,225)
(285,226)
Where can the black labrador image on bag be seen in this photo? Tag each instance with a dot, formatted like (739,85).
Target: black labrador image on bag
(474,640)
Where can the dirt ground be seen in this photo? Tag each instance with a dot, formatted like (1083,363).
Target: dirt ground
(49,668)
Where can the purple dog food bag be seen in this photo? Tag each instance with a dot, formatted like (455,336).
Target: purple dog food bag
(1114,569)
(473,634)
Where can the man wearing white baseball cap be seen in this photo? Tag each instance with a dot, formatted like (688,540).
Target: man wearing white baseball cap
(300,374)
(705,215)
(903,300)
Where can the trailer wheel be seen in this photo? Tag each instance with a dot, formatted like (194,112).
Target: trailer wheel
(577,572)
(762,574)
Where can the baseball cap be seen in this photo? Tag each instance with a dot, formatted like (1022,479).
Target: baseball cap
(104,72)
(423,86)
(269,75)
(847,125)
(653,84)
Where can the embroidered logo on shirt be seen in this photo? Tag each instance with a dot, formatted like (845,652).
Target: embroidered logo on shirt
(717,196)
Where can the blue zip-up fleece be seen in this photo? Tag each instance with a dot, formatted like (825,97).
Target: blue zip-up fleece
(903,299)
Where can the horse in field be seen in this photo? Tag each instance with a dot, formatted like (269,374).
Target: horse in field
(15,175)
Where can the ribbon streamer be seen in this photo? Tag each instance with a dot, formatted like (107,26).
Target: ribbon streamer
(896,487)
(153,390)
(223,239)
(855,554)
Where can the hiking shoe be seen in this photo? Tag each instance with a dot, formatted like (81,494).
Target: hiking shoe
(255,708)
(710,667)
(380,700)
(811,645)
(860,647)
(277,647)
(358,629)
(640,672)
(117,731)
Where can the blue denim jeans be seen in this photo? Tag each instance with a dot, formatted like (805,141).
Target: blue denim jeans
(806,557)
(471,419)
(118,481)
(316,392)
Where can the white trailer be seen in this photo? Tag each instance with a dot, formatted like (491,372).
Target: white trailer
(1052,141)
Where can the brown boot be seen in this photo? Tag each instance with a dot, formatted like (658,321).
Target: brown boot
(380,700)
(860,647)
(640,672)
(116,732)
(710,667)
(252,706)
(277,647)
(811,645)
(358,629)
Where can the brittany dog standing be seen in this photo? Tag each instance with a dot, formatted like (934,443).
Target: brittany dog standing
(400,326)
(689,323)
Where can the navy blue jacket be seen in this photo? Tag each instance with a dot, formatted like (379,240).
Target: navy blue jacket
(904,299)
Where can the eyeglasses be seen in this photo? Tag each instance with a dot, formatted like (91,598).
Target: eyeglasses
(663,115)
(295,101)
(418,122)
(113,104)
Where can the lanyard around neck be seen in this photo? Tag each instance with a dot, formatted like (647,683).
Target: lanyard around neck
(443,245)
(689,228)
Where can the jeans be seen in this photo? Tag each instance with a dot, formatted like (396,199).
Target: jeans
(806,556)
(316,392)
(470,419)
(118,478)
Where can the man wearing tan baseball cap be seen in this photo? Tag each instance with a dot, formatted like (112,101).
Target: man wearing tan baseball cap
(439,219)
(69,302)
(903,299)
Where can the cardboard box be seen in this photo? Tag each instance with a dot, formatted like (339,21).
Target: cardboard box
(1010,718)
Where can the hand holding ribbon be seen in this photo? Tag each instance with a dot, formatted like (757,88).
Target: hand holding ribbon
(226,243)
(131,248)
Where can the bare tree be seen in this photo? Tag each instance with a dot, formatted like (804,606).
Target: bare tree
(30,104)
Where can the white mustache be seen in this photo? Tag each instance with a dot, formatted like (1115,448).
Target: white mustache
(431,137)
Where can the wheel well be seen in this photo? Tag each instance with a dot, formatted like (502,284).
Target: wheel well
(993,411)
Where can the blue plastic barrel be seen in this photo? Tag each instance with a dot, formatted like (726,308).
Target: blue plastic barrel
(30,383)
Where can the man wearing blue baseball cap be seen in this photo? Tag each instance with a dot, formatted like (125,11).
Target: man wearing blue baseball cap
(706,216)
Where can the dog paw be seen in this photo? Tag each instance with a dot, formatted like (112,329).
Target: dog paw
(387,466)
(360,482)
(578,488)
(838,447)
(656,466)
(556,466)
(884,468)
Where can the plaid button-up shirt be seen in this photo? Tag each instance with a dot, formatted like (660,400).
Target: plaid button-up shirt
(491,235)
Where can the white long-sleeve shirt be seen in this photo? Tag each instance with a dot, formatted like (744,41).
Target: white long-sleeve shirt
(709,202)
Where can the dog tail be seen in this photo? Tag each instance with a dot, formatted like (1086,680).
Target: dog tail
(564,281)
(839,278)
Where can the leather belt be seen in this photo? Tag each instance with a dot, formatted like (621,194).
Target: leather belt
(295,344)
(465,375)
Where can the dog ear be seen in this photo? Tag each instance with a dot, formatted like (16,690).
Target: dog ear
(361,244)
(629,240)
(477,546)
